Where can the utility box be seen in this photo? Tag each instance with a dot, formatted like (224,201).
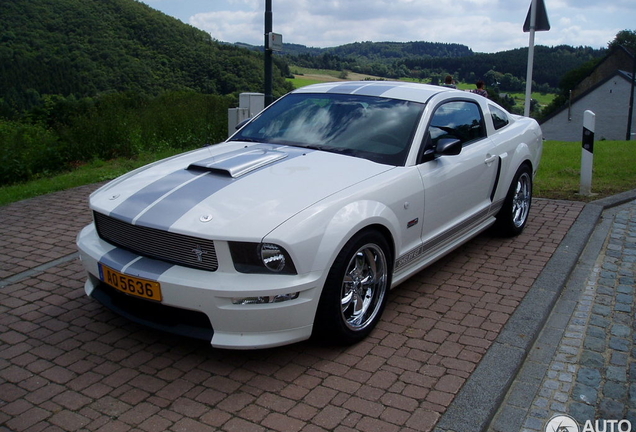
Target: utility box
(234,117)
(250,104)
(254,102)
(274,42)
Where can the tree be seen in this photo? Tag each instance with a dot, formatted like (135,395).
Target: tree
(626,39)
(86,48)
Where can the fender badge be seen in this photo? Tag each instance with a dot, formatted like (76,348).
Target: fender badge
(205,218)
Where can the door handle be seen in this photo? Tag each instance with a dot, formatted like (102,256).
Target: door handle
(490,159)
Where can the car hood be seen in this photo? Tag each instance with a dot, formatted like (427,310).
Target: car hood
(232,191)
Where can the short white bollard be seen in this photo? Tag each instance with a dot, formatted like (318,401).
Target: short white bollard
(587,152)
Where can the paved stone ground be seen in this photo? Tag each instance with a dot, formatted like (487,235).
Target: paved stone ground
(584,362)
(67,363)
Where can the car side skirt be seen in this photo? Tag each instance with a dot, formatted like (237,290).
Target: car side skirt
(424,255)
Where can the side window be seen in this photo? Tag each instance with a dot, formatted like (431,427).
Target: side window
(499,117)
(458,120)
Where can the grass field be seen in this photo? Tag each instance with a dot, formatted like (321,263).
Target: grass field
(306,76)
(301,81)
(93,172)
(559,176)
(614,171)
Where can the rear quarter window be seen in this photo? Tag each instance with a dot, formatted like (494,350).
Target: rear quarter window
(499,117)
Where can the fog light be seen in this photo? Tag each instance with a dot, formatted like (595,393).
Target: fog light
(265,299)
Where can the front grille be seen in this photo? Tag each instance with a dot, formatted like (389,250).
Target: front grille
(162,245)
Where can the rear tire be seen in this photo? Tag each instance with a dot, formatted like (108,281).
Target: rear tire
(356,290)
(513,216)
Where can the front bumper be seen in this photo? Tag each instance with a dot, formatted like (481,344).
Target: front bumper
(190,296)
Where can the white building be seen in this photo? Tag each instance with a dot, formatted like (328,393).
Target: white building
(606,92)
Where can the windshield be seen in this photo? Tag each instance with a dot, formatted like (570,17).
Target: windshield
(374,128)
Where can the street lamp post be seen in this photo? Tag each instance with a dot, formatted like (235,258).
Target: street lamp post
(269,97)
(536,20)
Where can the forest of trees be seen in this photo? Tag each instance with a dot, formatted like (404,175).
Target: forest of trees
(423,60)
(86,47)
(99,79)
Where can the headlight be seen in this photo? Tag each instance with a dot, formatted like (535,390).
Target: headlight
(273,257)
(261,258)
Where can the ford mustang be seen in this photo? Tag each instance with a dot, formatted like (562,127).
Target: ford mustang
(300,223)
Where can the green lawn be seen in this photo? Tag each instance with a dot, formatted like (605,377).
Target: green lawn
(305,76)
(300,81)
(93,172)
(614,171)
(297,70)
(559,176)
(543,99)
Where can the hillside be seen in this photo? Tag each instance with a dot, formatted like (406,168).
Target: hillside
(423,59)
(84,48)
(87,47)
(550,63)
(383,51)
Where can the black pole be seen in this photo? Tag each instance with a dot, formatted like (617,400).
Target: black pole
(269,97)
(631,101)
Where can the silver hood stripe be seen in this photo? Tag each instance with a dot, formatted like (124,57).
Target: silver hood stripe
(372,89)
(141,200)
(163,202)
(165,195)
(163,213)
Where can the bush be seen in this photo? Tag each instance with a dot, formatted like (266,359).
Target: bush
(26,150)
(111,126)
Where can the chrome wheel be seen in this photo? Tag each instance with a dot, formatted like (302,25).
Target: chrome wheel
(515,211)
(363,287)
(521,200)
(356,289)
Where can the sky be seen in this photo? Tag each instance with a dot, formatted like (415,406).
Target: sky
(486,26)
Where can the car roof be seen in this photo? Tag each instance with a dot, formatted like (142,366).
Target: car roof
(403,90)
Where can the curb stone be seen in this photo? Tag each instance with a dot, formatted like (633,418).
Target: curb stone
(486,390)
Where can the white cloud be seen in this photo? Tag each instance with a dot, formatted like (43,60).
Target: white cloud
(482,25)
(231,26)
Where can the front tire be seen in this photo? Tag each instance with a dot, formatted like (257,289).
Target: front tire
(356,290)
(513,216)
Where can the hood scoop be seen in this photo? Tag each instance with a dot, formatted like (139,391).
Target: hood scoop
(239,162)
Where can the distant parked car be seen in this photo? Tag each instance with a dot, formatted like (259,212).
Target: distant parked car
(301,222)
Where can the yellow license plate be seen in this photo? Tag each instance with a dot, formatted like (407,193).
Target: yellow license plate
(129,284)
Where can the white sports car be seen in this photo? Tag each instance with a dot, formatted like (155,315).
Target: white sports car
(301,222)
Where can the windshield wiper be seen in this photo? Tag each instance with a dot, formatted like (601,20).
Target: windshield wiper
(255,140)
(330,149)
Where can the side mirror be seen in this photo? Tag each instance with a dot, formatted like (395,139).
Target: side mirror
(448,147)
(242,123)
(444,147)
